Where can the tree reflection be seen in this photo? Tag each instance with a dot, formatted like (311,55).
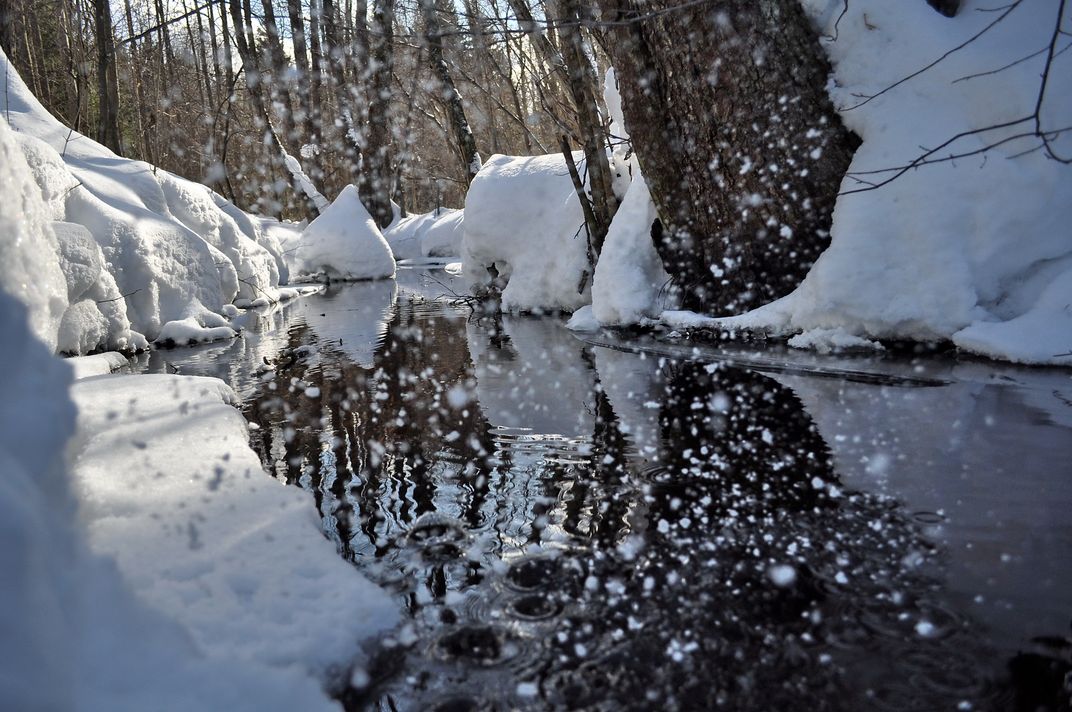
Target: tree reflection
(739,572)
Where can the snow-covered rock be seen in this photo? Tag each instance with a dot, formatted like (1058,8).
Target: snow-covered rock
(192,204)
(171,249)
(434,234)
(522,217)
(344,243)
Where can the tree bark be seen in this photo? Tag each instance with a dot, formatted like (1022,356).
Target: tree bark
(107,79)
(301,60)
(459,123)
(377,180)
(277,85)
(741,147)
(583,85)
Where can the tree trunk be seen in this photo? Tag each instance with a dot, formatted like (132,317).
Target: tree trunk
(741,147)
(377,178)
(107,80)
(583,87)
(448,92)
(277,86)
(301,61)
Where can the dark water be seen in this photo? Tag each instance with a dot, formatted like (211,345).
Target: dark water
(580,526)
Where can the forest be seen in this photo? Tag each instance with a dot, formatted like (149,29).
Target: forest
(535,354)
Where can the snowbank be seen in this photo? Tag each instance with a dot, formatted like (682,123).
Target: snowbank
(72,633)
(97,364)
(435,234)
(976,250)
(522,218)
(235,557)
(342,243)
(166,249)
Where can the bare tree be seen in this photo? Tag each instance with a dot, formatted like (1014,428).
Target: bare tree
(742,149)
(107,81)
(450,97)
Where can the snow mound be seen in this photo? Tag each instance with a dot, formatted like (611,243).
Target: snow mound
(630,283)
(435,234)
(213,542)
(523,219)
(199,329)
(72,635)
(827,341)
(169,247)
(29,260)
(192,204)
(343,243)
(97,364)
(976,250)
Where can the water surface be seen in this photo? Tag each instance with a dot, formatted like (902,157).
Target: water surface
(611,524)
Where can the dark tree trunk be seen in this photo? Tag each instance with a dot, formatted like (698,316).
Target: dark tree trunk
(7,28)
(277,87)
(741,147)
(301,60)
(107,79)
(377,179)
(449,95)
(583,87)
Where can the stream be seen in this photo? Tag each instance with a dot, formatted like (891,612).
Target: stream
(592,522)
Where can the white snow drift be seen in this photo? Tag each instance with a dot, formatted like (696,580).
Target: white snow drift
(434,234)
(343,243)
(227,595)
(142,251)
(523,219)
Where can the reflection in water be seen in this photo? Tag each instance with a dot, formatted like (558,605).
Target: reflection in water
(575,527)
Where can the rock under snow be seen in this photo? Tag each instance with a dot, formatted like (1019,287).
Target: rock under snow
(523,218)
(630,283)
(343,243)
(435,234)
(171,248)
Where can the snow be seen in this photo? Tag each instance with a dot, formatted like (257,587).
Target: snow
(522,217)
(343,243)
(434,234)
(213,542)
(630,283)
(304,181)
(584,320)
(194,330)
(831,340)
(976,250)
(74,633)
(97,364)
(29,263)
(166,249)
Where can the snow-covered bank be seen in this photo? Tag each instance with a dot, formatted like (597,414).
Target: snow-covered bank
(133,247)
(435,234)
(170,572)
(976,250)
(234,557)
(523,219)
(239,602)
